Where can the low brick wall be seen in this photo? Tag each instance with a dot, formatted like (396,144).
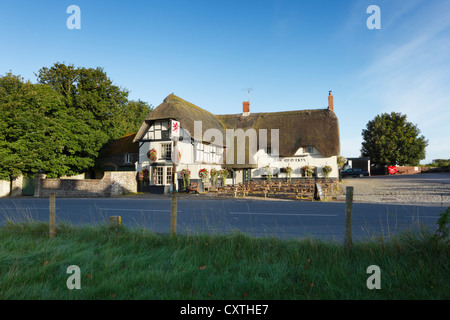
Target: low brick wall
(408,170)
(113,183)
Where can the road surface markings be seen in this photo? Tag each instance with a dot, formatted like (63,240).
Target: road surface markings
(286,214)
(421,217)
(162,210)
(27,208)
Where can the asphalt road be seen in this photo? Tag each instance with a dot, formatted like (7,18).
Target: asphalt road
(283,219)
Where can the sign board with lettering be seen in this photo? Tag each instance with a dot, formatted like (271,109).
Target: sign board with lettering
(319,192)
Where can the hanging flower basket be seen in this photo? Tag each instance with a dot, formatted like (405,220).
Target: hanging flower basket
(326,171)
(268,170)
(289,171)
(144,176)
(186,176)
(214,175)
(203,174)
(223,174)
(308,170)
(152,155)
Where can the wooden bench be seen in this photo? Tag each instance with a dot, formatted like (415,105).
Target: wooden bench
(194,187)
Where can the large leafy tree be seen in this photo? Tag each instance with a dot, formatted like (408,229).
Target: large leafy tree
(130,118)
(390,139)
(99,111)
(31,128)
(60,124)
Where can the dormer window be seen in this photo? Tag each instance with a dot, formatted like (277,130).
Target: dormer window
(310,149)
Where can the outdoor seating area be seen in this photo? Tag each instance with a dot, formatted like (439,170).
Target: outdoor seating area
(307,189)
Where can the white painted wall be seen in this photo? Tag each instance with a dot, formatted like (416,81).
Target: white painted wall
(188,160)
(4,188)
(297,162)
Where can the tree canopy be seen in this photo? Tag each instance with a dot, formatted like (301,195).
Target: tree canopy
(390,139)
(60,124)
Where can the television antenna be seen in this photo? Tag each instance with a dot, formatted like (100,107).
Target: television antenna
(248,90)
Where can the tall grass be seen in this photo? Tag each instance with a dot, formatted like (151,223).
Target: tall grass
(124,263)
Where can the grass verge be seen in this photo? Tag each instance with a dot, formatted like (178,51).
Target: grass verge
(138,264)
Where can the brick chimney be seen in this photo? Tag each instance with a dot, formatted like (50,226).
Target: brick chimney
(246,108)
(330,102)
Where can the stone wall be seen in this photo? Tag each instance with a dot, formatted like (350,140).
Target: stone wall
(111,185)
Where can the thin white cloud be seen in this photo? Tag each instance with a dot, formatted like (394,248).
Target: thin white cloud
(409,72)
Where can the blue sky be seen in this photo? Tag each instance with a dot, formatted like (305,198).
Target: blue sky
(290,52)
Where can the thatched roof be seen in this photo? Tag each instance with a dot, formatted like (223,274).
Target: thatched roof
(122,145)
(318,128)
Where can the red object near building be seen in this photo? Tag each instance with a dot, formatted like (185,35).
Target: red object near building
(392,169)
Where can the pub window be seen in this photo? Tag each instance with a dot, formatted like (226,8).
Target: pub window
(199,152)
(219,151)
(166,150)
(169,175)
(158,175)
(310,149)
(213,154)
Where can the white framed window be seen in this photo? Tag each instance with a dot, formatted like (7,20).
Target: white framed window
(169,175)
(198,152)
(310,149)
(128,158)
(158,175)
(166,150)
(162,175)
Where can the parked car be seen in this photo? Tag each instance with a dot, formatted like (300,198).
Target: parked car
(354,172)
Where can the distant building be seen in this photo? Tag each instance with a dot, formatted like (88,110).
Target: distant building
(360,163)
(120,155)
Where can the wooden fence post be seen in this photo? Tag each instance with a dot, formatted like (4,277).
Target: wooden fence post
(173,205)
(52,208)
(173,215)
(115,221)
(348,218)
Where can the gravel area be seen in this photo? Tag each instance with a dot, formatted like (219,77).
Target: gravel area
(417,189)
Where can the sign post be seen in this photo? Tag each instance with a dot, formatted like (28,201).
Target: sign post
(348,218)
(175,134)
